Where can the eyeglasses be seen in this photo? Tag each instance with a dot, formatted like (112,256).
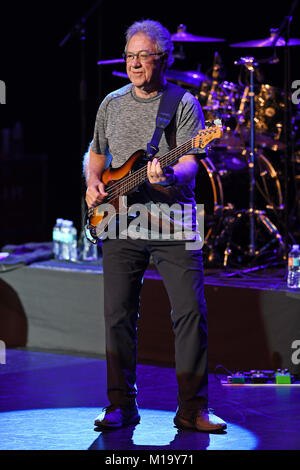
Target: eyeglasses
(142,56)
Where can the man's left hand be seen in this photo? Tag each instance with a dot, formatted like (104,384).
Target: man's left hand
(157,176)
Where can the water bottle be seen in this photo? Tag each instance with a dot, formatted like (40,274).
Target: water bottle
(66,239)
(56,238)
(69,241)
(73,244)
(293,280)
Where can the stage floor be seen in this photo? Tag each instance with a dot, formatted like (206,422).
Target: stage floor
(253,319)
(272,276)
(48,401)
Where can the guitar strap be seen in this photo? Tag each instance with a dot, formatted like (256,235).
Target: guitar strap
(167,108)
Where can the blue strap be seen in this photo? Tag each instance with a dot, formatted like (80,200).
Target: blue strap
(167,108)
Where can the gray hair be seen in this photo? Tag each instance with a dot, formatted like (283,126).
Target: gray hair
(157,32)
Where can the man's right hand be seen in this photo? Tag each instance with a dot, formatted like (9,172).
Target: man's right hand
(95,194)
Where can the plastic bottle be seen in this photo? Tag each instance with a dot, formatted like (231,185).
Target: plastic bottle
(66,239)
(73,244)
(56,238)
(293,279)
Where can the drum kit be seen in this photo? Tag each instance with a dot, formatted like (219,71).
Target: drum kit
(240,182)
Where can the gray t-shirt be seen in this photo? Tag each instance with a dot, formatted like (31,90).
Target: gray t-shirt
(125,123)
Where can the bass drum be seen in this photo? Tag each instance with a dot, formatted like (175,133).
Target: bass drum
(223,182)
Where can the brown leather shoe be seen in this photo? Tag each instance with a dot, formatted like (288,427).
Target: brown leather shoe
(113,417)
(199,420)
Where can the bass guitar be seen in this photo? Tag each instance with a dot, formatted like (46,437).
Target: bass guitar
(128,177)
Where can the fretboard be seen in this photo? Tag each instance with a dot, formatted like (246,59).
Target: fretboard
(132,181)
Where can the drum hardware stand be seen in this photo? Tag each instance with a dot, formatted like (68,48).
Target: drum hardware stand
(212,239)
(272,262)
(250,64)
(226,218)
(220,246)
(254,215)
(215,80)
(240,112)
(234,219)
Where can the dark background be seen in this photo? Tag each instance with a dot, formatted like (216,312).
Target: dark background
(43,83)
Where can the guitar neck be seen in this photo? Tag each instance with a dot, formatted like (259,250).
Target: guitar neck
(202,139)
(140,176)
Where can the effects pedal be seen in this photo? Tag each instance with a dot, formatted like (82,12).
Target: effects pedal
(260,377)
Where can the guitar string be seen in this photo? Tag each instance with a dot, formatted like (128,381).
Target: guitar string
(123,186)
(163,159)
(139,175)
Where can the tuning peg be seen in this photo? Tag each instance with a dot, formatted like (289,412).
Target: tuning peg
(208,124)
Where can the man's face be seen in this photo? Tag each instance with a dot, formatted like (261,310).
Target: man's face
(145,75)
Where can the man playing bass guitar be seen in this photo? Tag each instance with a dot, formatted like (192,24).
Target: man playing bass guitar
(125,123)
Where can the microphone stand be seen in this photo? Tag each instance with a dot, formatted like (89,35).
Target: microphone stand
(252,159)
(250,64)
(78,30)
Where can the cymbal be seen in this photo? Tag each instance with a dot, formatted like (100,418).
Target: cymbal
(265,141)
(119,74)
(231,140)
(262,140)
(268,42)
(189,77)
(235,142)
(183,36)
(110,61)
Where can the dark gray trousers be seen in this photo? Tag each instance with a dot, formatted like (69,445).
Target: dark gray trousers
(124,264)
